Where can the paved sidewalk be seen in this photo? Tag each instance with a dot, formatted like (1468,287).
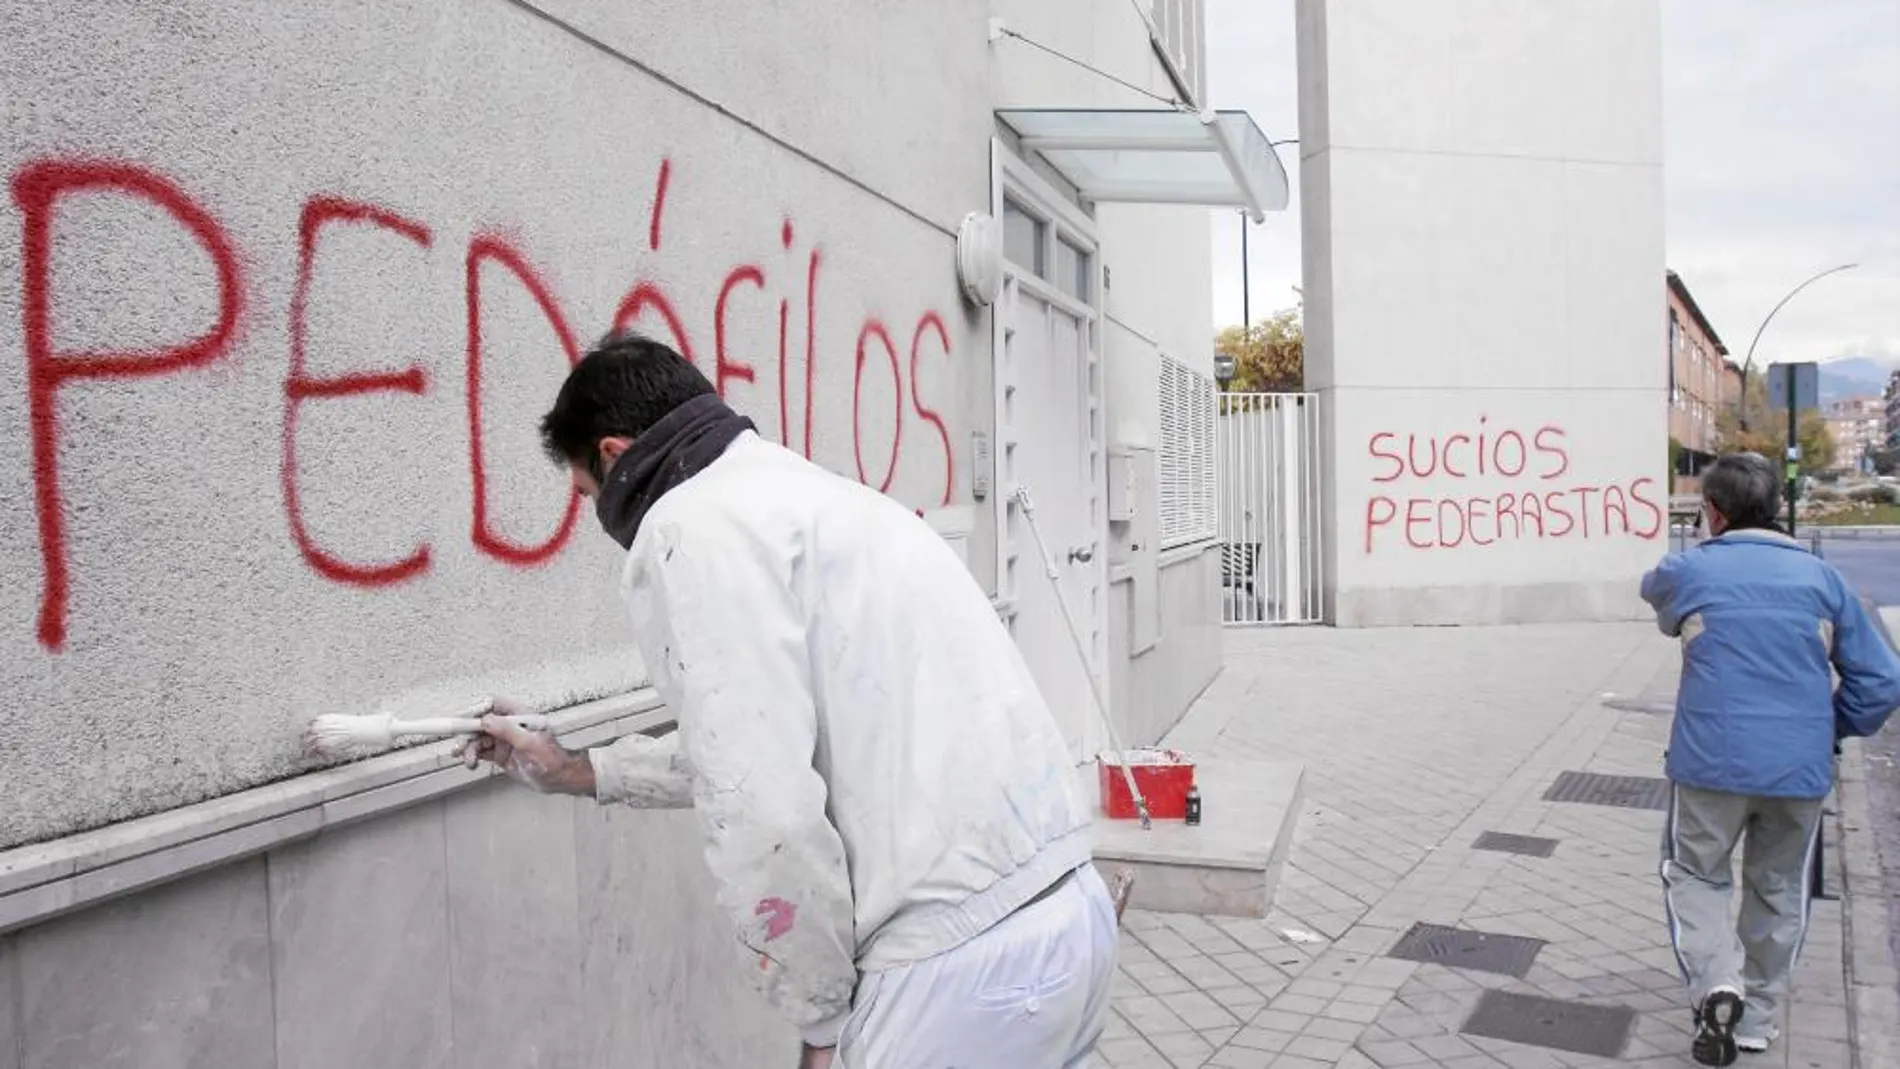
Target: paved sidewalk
(1416,741)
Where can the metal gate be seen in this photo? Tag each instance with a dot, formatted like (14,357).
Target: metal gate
(1267,477)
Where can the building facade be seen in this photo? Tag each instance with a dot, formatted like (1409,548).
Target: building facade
(1482,320)
(1859,430)
(1890,401)
(1702,381)
(289,298)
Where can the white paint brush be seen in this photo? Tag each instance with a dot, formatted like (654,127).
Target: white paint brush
(341,734)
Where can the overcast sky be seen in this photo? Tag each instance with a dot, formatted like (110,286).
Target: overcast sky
(1782,159)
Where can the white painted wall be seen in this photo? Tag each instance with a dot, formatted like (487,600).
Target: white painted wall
(193,638)
(1483,235)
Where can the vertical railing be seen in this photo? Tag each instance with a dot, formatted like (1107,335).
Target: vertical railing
(1267,494)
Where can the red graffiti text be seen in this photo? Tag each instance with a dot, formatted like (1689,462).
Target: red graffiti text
(748,295)
(1525,493)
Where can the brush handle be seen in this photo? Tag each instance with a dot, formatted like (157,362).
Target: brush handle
(442,726)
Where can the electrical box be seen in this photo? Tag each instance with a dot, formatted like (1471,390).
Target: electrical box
(1122,484)
(980,465)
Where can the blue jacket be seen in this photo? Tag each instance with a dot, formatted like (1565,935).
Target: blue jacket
(1762,621)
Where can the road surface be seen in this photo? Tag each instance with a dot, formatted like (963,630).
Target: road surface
(1872,567)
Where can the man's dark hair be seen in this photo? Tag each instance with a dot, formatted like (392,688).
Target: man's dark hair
(624,385)
(1745,489)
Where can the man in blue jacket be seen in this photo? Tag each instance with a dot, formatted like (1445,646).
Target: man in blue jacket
(1763,625)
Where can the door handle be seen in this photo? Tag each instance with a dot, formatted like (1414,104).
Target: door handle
(1081,555)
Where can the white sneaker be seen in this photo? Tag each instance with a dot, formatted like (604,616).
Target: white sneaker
(1757,1044)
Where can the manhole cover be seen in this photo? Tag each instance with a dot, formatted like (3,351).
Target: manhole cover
(1463,948)
(1638,705)
(1504,841)
(1629,792)
(1577,1027)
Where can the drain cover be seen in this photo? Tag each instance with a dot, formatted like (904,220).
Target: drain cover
(1629,792)
(1528,845)
(1637,705)
(1578,1027)
(1464,948)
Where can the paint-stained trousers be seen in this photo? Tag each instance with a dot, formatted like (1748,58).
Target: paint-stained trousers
(1756,954)
(1030,993)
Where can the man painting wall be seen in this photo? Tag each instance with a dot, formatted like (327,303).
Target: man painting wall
(890,810)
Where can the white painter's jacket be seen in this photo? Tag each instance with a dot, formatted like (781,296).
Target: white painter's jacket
(876,775)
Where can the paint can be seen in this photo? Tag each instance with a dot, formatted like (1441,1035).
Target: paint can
(1164,778)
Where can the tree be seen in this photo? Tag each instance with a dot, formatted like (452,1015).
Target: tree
(1269,356)
(1767,432)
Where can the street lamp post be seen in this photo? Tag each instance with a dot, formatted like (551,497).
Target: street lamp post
(1246,290)
(1749,361)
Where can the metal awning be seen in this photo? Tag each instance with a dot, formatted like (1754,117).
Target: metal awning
(1157,156)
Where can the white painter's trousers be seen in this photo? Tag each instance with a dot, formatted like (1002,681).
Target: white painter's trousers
(1030,993)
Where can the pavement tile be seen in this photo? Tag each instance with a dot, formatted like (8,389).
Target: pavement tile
(1218,1037)
(1329,1028)
(1131,1053)
(1242,1001)
(1304,1005)
(1185,1048)
(1489,717)
(1241,1058)
(1318,1048)
(1394,1054)
(1254,1037)
(1198,1011)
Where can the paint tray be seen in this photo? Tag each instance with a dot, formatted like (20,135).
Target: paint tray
(1163,777)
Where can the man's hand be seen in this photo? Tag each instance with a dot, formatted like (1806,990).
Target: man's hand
(529,757)
(816,1057)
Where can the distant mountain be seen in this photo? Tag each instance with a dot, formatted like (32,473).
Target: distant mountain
(1855,376)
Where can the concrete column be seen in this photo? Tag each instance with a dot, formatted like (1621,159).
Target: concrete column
(1482,182)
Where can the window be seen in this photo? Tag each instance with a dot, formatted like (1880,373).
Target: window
(1022,238)
(1184,472)
(1047,251)
(1072,270)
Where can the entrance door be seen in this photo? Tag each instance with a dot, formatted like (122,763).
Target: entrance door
(1050,426)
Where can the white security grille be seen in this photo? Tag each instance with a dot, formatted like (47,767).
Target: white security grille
(1185,467)
(1269,508)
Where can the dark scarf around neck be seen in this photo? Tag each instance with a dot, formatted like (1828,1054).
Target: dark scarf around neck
(675,449)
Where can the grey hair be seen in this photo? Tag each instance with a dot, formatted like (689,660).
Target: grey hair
(1744,488)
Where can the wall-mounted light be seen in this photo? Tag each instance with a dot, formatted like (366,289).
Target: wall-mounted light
(1223,368)
(980,258)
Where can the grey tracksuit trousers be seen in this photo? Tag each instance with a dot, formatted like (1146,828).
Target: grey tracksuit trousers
(1756,955)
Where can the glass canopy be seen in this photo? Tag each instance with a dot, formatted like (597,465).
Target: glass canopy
(1157,156)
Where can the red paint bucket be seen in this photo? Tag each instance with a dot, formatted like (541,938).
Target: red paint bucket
(1163,777)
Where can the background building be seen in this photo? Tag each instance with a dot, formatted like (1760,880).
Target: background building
(1890,401)
(1700,383)
(1859,429)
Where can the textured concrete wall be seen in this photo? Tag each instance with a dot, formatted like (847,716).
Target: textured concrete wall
(1153,685)
(491,930)
(1483,236)
(281,297)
